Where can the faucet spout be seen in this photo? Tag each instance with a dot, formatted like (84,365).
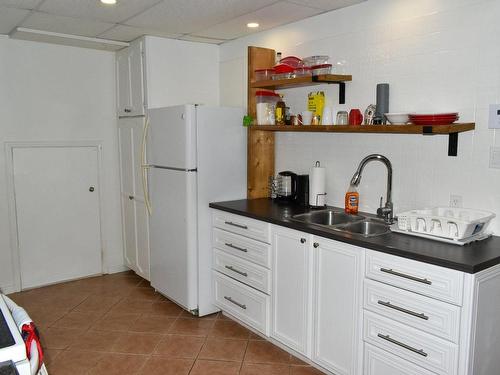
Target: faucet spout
(387,211)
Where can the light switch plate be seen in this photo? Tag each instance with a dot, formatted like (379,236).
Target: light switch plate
(494,118)
(495,157)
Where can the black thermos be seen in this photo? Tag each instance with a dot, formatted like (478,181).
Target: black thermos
(303,190)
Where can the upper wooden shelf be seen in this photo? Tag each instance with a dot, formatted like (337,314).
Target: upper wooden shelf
(391,129)
(276,84)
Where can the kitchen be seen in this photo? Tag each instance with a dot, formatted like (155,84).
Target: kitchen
(436,57)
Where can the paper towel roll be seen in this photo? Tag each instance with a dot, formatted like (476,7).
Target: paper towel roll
(317,190)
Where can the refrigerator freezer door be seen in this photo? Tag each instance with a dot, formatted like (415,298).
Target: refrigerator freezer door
(172,137)
(173,235)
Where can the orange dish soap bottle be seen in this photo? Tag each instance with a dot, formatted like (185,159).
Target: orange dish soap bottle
(351,200)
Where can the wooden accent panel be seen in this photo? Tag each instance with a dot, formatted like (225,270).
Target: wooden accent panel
(301,81)
(260,148)
(390,129)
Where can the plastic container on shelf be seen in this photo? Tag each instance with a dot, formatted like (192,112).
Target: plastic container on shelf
(321,69)
(266,106)
(292,61)
(283,71)
(263,74)
(302,71)
(315,60)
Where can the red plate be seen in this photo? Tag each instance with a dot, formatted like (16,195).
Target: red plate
(434,114)
(433,122)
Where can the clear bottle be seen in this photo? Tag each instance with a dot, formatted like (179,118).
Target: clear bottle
(352,200)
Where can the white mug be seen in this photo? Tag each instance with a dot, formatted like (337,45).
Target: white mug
(306,117)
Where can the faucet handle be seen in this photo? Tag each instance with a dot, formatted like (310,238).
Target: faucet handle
(381,201)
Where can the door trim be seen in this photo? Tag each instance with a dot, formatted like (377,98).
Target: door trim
(11,197)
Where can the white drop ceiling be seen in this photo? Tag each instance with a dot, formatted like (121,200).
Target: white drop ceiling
(210,21)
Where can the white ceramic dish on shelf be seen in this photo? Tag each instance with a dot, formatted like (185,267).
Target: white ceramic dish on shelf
(397,118)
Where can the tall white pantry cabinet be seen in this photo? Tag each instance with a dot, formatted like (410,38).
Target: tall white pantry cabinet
(151,73)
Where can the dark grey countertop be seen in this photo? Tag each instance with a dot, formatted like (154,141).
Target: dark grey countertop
(470,258)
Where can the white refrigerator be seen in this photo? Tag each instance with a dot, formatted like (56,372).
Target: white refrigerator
(195,155)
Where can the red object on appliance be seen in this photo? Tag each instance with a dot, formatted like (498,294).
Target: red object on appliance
(29,334)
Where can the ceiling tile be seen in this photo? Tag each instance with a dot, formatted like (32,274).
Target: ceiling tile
(200,39)
(10,17)
(274,15)
(21,4)
(128,33)
(327,4)
(94,9)
(65,25)
(188,16)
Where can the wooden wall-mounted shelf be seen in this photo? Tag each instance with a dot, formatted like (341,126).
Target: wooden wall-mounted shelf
(388,129)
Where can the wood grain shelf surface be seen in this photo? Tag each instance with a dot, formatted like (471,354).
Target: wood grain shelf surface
(276,84)
(388,129)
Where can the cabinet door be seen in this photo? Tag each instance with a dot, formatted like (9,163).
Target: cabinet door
(126,148)
(124,100)
(129,235)
(142,232)
(291,288)
(135,61)
(337,318)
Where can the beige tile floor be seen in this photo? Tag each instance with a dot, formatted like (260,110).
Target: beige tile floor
(117,324)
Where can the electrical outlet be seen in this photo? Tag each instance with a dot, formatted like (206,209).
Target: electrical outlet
(494,118)
(495,157)
(455,201)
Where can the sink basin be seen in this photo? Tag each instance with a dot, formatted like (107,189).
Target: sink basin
(327,217)
(366,228)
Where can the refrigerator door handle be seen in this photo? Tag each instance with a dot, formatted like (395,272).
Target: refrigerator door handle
(145,167)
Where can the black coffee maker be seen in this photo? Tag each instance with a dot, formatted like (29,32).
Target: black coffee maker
(287,186)
(302,198)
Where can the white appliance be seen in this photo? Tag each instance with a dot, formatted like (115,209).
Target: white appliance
(12,346)
(195,155)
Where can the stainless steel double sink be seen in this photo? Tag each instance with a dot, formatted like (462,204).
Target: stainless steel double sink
(339,221)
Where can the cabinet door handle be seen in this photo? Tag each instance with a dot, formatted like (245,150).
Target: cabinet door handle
(236,225)
(131,197)
(316,245)
(399,343)
(127,110)
(240,305)
(236,247)
(231,268)
(403,275)
(302,240)
(403,310)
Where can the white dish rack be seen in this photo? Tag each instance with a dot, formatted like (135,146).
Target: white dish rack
(448,224)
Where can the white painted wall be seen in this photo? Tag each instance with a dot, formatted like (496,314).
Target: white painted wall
(437,55)
(58,93)
(180,72)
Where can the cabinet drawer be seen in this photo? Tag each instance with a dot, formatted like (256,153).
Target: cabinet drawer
(243,302)
(243,247)
(427,279)
(423,349)
(380,362)
(258,230)
(240,269)
(423,313)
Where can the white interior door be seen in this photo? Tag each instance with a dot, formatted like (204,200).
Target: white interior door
(57,209)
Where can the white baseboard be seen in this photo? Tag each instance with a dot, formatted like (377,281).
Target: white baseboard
(8,289)
(117,268)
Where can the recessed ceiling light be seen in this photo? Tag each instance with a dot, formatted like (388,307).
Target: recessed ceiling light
(108,2)
(252,25)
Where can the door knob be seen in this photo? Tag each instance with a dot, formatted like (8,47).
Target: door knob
(91,189)
(316,244)
(131,197)
(302,240)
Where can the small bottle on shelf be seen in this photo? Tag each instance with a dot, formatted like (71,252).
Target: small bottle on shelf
(352,200)
(280,111)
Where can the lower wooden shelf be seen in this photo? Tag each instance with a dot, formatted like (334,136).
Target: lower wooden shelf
(389,129)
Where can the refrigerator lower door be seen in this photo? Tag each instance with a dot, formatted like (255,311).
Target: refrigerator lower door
(173,235)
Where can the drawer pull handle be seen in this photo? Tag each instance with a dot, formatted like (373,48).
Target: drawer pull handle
(236,225)
(409,277)
(408,347)
(403,310)
(240,305)
(235,247)
(231,268)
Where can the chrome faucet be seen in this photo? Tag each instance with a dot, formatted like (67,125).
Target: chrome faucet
(387,211)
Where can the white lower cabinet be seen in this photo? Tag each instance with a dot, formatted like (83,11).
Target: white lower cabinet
(338,278)
(380,362)
(291,291)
